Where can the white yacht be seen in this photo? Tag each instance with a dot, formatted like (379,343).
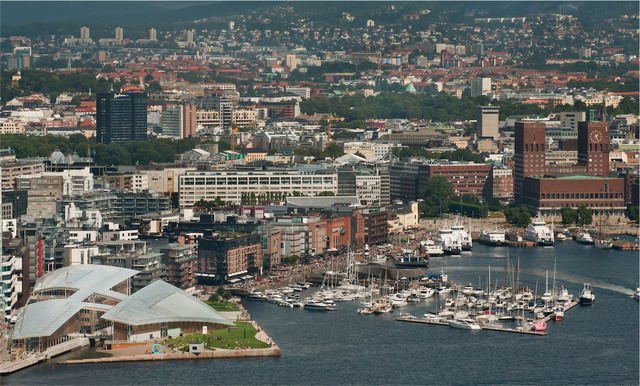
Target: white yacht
(449,241)
(494,237)
(431,249)
(585,238)
(539,232)
(465,238)
(464,324)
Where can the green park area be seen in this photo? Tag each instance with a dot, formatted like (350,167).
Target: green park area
(242,335)
(222,305)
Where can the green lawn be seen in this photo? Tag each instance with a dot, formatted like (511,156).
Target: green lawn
(222,305)
(240,336)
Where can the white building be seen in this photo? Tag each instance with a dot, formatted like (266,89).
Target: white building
(12,126)
(78,254)
(368,189)
(10,283)
(76,181)
(232,185)
(303,92)
(369,150)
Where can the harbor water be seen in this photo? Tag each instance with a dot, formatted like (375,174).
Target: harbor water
(593,345)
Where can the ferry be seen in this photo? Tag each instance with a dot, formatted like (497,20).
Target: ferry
(494,238)
(410,259)
(465,238)
(539,232)
(431,249)
(585,238)
(449,242)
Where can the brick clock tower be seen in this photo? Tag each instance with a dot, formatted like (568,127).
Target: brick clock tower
(529,153)
(593,147)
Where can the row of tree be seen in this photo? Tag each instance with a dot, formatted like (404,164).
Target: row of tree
(580,216)
(133,152)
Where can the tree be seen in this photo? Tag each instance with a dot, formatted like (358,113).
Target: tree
(519,216)
(291,259)
(569,215)
(437,194)
(585,215)
(633,212)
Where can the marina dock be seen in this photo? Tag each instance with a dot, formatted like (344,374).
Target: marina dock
(438,323)
(413,319)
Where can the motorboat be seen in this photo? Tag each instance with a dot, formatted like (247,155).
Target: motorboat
(587,297)
(539,325)
(426,293)
(316,305)
(636,295)
(365,310)
(463,236)
(431,248)
(558,313)
(382,306)
(464,324)
(561,237)
(493,238)
(329,305)
(258,296)
(539,232)
(603,244)
(585,238)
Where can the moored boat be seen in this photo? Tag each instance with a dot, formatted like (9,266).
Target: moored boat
(558,313)
(587,297)
(493,238)
(539,232)
(464,324)
(585,238)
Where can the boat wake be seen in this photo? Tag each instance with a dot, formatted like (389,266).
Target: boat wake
(576,279)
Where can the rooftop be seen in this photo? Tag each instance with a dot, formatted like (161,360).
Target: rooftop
(160,302)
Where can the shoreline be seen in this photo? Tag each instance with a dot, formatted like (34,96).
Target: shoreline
(216,354)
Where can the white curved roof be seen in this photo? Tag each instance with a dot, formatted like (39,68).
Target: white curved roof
(44,318)
(160,302)
(85,280)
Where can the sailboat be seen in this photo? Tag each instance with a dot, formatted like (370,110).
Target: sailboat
(601,242)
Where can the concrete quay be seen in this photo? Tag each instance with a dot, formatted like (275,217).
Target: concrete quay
(7,368)
(180,355)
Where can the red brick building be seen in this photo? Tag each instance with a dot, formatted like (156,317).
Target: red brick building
(543,188)
(548,195)
(467,178)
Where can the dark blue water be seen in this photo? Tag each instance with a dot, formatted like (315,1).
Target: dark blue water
(593,345)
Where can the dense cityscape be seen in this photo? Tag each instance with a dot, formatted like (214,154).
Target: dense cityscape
(162,163)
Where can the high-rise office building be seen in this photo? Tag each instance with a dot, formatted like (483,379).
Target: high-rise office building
(84,33)
(189,36)
(179,121)
(480,86)
(119,34)
(488,122)
(153,34)
(121,117)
